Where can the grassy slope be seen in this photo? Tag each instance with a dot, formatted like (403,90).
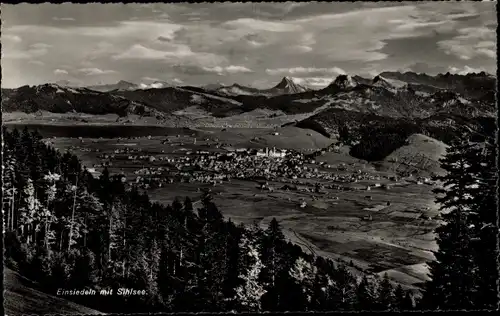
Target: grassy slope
(422,152)
(22,297)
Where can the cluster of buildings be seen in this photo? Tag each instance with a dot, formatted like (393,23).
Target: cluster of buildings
(214,167)
(273,153)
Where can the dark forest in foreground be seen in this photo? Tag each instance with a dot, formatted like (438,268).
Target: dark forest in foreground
(66,229)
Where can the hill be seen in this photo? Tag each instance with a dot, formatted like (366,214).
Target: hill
(21,297)
(171,99)
(420,154)
(373,137)
(472,86)
(58,99)
(292,138)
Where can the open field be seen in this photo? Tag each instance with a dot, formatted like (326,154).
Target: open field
(378,229)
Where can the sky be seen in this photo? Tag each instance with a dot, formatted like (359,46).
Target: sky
(253,44)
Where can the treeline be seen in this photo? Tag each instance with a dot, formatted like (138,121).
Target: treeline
(66,229)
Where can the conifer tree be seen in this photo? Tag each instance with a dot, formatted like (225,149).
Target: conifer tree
(387,298)
(366,295)
(457,280)
(342,292)
(304,273)
(251,291)
(273,259)
(399,297)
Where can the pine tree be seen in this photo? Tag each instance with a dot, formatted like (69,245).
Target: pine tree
(456,277)
(50,218)
(232,259)
(250,293)
(60,271)
(320,286)
(399,298)
(408,302)
(366,295)
(83,273)
(9,189)
(483,223)
(273,258)
(30,214)
(151,267)
(304,273)
(387,298)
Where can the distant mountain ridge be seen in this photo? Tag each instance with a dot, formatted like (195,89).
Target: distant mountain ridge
(390,94)
(58,99)
(120,85)
(286,86)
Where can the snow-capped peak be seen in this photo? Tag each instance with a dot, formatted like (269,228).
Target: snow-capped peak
(290,85)
(154,85)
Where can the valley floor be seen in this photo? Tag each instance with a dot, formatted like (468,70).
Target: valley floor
(378,231)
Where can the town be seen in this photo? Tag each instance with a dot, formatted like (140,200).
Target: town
(220,163)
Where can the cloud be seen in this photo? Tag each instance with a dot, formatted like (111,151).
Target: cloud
(302,48)
(117,31)
(138,51)
(36,62)
(305,71)
(302,40)
(485,44)
(314,82)
(40,46)
(30,53)
(261,25)
(60,72)
(174,54)
(150,79)
(471,42)
(11,38)
(486,52)
(464,70)
(95,71)
(63,19)
(229,69)
(165,38)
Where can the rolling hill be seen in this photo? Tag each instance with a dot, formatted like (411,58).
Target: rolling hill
(420,153)
(58,99)
(171,99)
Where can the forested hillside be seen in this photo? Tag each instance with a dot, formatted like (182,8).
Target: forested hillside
(65,229)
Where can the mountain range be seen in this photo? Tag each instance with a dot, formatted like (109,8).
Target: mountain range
(287,85)
(444,106)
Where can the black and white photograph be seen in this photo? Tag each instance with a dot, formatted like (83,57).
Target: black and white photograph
(244,157)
